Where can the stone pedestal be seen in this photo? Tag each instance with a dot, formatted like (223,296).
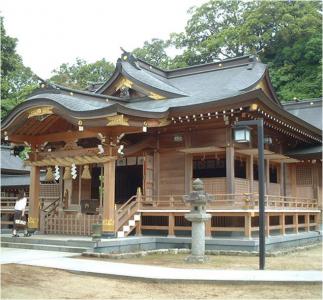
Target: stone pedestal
(198,216)
(198,237)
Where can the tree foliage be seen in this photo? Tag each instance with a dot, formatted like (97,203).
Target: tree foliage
(154,52)
(287,35)
(81,74)
(17,81)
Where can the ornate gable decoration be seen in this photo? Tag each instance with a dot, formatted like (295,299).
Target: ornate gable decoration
(117,120)
(127,88)
(41,112)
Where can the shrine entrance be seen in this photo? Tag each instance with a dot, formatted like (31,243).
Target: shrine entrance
(129,176)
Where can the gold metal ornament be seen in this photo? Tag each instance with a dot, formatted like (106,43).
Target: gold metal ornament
(117,120)
(41,111)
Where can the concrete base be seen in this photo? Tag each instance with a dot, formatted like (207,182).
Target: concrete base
(196,259)
(135,244)
(108,235)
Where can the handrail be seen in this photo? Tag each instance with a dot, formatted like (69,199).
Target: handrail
(126,203)
(241,200)
(52,203)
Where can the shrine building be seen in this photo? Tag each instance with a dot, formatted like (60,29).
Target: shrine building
(124,154)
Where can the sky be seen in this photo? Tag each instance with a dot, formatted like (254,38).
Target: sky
(52,32)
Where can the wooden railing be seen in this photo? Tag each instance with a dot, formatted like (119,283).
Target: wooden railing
(8,203)
(126,211)
(228,201)
(70,224)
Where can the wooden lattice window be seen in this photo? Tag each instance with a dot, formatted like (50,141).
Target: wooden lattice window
(304,175)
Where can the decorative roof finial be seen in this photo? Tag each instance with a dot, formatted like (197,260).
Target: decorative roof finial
(129,57)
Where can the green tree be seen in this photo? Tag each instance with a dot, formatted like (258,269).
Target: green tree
(17,81)
(286,34)
(81,74)
(154,52)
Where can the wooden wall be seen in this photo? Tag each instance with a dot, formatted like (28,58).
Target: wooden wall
(172,173)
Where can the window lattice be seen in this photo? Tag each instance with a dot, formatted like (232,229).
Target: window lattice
(304,175)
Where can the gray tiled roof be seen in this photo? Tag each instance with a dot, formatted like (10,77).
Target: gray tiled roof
(194,88)
(308,110)
(17,180)
(11,163)
(74,103)
(234,79)
(147,78)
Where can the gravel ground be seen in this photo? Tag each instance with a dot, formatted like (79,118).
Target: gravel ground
(26,282)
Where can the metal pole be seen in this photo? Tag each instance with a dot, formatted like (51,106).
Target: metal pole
(261,183)
(261,167)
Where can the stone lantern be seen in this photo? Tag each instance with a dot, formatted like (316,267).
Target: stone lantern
(198,216)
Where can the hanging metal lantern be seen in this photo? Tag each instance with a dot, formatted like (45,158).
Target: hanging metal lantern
(49,175)
(67,173)
(86,173)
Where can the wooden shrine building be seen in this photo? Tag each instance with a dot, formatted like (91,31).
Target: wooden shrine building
(128,152)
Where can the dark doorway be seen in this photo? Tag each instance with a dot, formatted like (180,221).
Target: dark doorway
(128,179)
(95,183)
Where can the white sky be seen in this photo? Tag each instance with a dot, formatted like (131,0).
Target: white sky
(52,32)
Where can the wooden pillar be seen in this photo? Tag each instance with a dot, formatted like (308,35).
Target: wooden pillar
(188,172)
(267,224)
(293,180)
(282,179)
(108,222)
(318,219)
(315,177)
(34,193)
(295,222)
(307,222)
(138,228)
(247,225)
(156,173)
(188,165)
(282,223)
(171,224)
(230,170)
(250,173)
(80,188)
(267,176)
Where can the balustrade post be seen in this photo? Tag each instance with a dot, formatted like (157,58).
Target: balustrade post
(208,225)
(171,224)
(139,197)
(282,223)
(138,228)
(307,222)
(295,222)
(247,225)
(318,221)
(42,222)
(267,225)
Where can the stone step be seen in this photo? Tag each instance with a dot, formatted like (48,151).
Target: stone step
(120,234)
(55,242)
(44,247)
(132,223)
(126,228)
(137,217)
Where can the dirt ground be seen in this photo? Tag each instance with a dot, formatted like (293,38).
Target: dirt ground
(308,259)
(25,282)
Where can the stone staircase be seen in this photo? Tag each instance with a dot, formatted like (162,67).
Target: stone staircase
(57,244)
(126,229)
